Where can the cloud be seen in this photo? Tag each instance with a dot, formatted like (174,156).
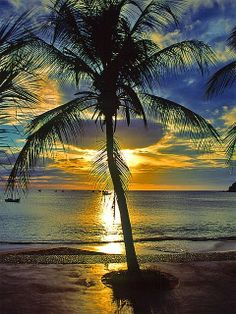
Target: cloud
(229,117)
(129,137)
(164,40)
(183,179)
(49,96)
(222,4)
(26,5)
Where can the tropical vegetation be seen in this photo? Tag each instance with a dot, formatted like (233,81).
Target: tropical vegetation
(106,49)
(18,82)
(220,81)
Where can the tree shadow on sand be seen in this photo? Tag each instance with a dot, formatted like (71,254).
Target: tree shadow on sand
(152,293)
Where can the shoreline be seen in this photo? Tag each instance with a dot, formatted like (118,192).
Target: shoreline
(67,255)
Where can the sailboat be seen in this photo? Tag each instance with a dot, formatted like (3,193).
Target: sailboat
(105,192)
(12,200)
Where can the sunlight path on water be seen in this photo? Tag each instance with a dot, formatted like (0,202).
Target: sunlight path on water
(110,219)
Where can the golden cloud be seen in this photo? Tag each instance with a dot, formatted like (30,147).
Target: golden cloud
(49,97)
(229,116)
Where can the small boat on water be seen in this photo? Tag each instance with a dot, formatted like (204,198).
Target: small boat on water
(12,200)
(105,192)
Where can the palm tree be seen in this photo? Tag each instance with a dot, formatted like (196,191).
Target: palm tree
(223,79)
(17,78)
(18,83)
(104,48)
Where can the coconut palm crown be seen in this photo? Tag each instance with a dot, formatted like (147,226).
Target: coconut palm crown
(220,81)
(17,81)
(105,49)
(16,76)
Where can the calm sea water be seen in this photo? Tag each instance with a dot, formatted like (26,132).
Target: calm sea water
(163,221)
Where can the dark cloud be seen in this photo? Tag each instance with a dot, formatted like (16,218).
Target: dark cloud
(199,179)
(129,137)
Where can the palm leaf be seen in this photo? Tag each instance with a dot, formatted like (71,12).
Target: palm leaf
(81,103)
(13,36)
(230,142)
(231,41)
(157,14)
(62,125)
(101,171)
(178,58)
(64,65)
(180,119)
(104,44)
(65,26)
(222,79)
(132,103)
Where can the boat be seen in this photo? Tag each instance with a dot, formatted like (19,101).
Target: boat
(12,200)
(105,192)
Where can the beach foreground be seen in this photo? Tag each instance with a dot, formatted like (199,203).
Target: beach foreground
(204,287)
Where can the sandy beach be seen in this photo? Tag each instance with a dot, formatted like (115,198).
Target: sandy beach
(39,281)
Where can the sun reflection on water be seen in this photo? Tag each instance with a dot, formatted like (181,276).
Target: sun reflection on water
(110,219)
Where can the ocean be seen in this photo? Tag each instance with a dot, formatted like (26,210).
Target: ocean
(162,221)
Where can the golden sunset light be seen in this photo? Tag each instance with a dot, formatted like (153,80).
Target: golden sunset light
(117,156)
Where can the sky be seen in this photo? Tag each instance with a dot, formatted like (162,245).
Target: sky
(158,160)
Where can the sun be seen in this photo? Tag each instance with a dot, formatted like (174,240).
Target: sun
(131,157)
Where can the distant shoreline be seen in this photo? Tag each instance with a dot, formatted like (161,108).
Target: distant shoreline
(95,190)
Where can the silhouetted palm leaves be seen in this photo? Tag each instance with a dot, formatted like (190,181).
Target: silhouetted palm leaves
(18,83)
(223,79)
(17,79)
(104,45)
(230,142)
(104,48)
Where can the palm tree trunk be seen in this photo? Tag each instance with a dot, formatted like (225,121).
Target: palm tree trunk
(131,257)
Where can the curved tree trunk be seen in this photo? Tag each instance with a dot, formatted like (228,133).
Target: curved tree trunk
(131,257)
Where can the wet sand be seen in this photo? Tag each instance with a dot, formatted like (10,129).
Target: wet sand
(205,287)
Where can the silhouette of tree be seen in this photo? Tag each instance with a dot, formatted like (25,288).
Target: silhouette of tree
(17,81)
(16,75)
(104,47)
(220,81)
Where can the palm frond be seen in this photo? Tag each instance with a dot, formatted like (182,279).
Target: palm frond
(17,87)
(101,171)
(104,44)
(61,125)
(132,61)
(18,82)
(230,142)
(13,35)
(231,41)
(65,65)
(84,101)
(14,28)
(221,80)
(178,58)
(66,27)
(157,14)
(132,103)
(179,119)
